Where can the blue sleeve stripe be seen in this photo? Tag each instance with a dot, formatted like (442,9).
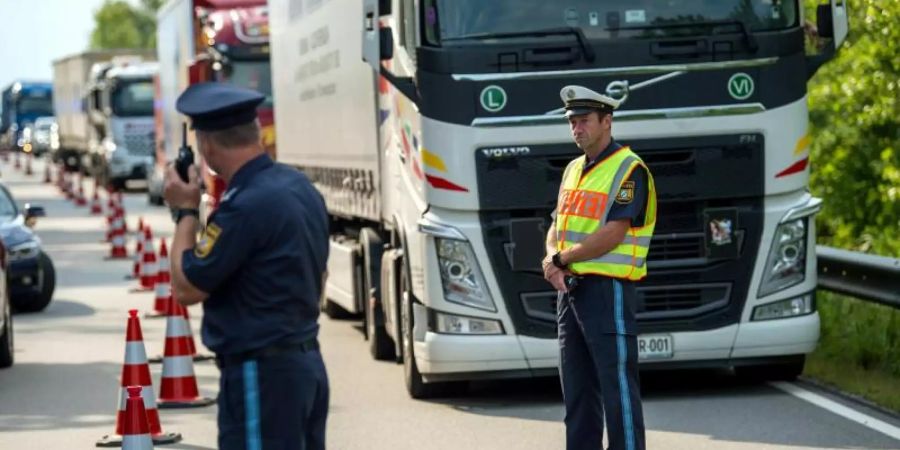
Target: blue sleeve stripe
(251,406)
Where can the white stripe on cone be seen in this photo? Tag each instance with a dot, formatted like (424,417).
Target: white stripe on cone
(163,264)
(178,366)
(176,327)
(137,442)
(163,290)
(148,269)
(135,354)
(146,394)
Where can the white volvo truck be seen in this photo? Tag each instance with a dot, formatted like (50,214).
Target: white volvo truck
(434,130)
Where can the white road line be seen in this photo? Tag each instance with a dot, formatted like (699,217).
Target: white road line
(839,409)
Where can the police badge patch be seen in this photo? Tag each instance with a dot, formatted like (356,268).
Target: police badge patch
(626,193)
(207,240)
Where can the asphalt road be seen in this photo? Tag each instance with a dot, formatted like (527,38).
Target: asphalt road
(61,392)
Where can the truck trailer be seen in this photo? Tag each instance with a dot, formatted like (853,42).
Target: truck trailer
(208,40)
(435,131)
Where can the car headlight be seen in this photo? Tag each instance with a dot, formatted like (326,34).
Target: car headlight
(454,324)
(24,250)
(786,264)
(792,307)
(461,275)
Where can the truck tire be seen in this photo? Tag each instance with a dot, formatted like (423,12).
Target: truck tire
(380,345)
(38,302)
(415,385)
(788,371)
(6,338)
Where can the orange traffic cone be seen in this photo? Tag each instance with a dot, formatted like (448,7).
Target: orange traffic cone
(96,207)
(80,199)
(178,387)
(187,320)
(163,286)
(28,170)
(148,263)
(136,372)
(138,252)
(136,435)
(111,218)
(118,250)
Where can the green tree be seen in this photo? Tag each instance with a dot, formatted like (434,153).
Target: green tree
(118,24)
(854,112)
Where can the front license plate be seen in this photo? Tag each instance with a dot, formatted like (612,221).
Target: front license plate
(655,346)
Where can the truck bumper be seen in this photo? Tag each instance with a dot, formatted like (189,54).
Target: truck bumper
(129,167)
(443,357)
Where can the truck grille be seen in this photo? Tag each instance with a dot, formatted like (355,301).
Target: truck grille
(140,144)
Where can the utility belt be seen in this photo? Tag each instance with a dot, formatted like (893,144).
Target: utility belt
(266,352)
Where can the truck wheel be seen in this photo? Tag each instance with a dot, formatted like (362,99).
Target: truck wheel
(380,345)
(38,302)
(415,385)
(788,371)
(6,339)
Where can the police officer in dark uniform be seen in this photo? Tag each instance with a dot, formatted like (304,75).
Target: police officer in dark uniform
(258,270)
(596,252)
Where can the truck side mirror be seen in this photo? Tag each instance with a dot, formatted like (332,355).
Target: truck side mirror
(386,44)
(832,22)
(32,212)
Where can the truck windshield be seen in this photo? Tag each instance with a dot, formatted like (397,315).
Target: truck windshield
(133,98)
(35,106)
(256,75)
(449,19)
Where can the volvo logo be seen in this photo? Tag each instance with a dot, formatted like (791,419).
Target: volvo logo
(503,152)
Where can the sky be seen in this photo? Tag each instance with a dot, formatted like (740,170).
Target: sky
(37,32)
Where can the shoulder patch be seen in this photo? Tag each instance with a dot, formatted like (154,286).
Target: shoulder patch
(626,193)
(207,240)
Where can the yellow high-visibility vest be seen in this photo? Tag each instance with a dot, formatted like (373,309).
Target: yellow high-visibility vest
(583,208)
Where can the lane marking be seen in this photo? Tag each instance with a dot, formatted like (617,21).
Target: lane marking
(839,409)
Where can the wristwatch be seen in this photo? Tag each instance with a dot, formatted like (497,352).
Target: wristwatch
(557,261)
(180,213)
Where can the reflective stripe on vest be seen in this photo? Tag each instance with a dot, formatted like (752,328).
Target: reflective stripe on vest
(583,208)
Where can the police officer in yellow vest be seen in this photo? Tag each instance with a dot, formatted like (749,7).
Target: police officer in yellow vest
(596,252)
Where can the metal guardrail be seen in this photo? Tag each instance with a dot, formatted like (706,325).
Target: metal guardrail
(868,277)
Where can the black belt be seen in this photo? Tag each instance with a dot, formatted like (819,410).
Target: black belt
(267,352)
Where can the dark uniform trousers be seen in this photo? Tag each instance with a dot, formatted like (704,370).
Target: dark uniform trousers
(598,364)
(277,402)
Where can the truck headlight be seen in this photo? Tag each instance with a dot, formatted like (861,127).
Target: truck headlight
(792,307)
(24,250)
(453,324)
(461,276)
(786,264)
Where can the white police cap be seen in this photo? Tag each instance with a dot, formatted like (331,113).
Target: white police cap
(580,100)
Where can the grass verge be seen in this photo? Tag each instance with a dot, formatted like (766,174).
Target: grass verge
(859,350)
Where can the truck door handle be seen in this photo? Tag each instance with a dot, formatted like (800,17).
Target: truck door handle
(679,48)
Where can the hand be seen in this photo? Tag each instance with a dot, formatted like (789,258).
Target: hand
(558,280)
(549,268)
(179,194)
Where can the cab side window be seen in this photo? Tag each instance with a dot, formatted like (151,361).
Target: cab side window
(408,27)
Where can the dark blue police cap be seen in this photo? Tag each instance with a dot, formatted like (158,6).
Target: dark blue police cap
(218,106)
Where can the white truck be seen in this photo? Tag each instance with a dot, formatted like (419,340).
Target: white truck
(434,130)
(120,107)
(71,85)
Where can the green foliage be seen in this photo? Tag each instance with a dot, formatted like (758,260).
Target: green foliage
(854,112)
(118,24)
